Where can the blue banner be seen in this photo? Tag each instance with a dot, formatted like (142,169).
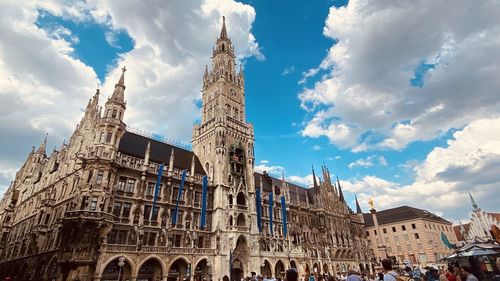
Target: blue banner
(446,242)
(258,202)
(179,196)
(157,190)
(203,220)
(283,214)
(271,213)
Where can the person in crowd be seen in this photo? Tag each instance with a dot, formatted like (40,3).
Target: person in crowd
(466,273)
(352,275)
(311,277)
(389,273)
(450,276)
(433,274)
(291,275)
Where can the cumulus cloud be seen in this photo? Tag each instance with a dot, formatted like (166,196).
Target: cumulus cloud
(173,42)
(404,71)
(369,161)
(469,162)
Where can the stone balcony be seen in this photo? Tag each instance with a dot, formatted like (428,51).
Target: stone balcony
(88,215)
(112,248)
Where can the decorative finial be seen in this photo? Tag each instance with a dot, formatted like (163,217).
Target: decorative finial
(124,68)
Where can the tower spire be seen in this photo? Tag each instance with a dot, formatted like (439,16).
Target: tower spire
(118,93)
(315,183)
(474,204)
(43,146)
(341,194)
(223,31)
(358,208)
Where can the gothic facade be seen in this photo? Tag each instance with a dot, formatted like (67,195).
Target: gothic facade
(86,211)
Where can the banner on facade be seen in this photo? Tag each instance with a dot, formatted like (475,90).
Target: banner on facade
(157,190)
(179,196)
(258,202)
(271,213)
(283,215)
(204,188)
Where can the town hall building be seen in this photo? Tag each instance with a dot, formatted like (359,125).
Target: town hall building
(91,211)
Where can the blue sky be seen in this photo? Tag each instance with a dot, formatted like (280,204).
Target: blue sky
(327,82)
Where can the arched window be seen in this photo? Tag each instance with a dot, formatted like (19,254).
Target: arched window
(241,220)
(207,168)
(230,199)
(223,47)
(240,199)
(230,220)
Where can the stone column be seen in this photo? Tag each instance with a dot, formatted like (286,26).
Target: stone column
(381,247)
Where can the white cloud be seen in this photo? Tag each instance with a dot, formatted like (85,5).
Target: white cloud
(469,162)
(274,170)
(264,161)
(369,161)
(317,147)
(173,42)
(305,181)
(112,39)
(366,101)
(288,70)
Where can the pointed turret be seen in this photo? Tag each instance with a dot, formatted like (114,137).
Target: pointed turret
(473,202)
(315,183)
(118,94)
(146,156)
(358,207)
(171,163)
(42,149)
(341,194)
(223,31)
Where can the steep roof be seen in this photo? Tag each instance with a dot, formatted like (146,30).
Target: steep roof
(135,145)
(401,214)
(458,234)
(296,191)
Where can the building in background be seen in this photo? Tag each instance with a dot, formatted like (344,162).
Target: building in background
(480,228)
(407,234)
(92,211)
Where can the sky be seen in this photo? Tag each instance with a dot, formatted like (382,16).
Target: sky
(399,99)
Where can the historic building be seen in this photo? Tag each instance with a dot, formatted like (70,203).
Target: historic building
(483,226)
(88,210)
(408,234)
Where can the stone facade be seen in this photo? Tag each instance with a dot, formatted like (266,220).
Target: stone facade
(408,234)
(85,212)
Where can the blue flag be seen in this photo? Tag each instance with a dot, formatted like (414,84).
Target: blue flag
(157,190)
(271,213)
(446,241)
(283,215)
(258,202)
(179,196)
(204,203)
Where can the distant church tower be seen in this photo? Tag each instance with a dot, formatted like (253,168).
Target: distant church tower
(224,143)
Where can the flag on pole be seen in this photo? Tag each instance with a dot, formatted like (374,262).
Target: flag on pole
(271,213)
(283,215)
(157,190)
(203,220)
(258,202)
(446,241)
(179,196)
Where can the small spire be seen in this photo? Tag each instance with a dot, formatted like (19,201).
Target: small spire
(474,204)
(171,163)
(205,75)
(223,32)
(42,148)
(358,207)
(146,155)
(315,183)
(193,162)
(341,195)
(121,82)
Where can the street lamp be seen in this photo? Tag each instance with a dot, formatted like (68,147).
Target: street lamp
(121,263)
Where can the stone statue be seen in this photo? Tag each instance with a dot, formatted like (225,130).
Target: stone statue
(370,202)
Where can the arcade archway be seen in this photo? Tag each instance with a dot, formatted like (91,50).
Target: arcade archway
(237,270)
(178,270)
(114,271)
(279,270)
(150,270)
(201,270)
(266,270)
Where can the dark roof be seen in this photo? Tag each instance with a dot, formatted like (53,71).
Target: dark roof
(458,234)
(296,192)
(135,145)
(401,214)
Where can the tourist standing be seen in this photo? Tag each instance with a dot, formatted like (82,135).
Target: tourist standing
(389,273)
(467,273)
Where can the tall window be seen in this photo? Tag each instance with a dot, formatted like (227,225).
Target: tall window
(150,189)
(126,209)
(130,185)
(117,208)
(100,175)
(147,211)
(121,183)
(108,137)
(114,113)
(93,204)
